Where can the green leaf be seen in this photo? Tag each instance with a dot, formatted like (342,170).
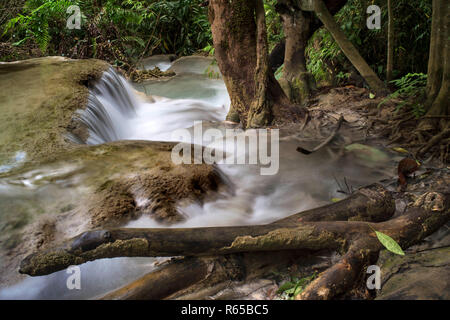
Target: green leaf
(400,150)
(371,95)
(287,286)
(389,243)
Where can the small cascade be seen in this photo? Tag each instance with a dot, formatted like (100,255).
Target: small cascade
(111,101)
(113,111)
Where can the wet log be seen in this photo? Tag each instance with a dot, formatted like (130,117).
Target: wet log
(177,275)
(195,278)
(372,203)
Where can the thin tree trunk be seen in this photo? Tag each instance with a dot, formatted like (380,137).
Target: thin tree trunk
(348,48)
(260,113)
(390,46)
(296,82)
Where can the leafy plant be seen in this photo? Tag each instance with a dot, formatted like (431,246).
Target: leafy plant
(273,23)
(279,72)
(131,27)
(412,85)
(209,49)
(41,19)
(295,286)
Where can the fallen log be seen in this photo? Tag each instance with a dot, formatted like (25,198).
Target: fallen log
(372,203)
(201,277)
(177,275)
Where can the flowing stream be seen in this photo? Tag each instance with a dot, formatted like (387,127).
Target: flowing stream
(116,112)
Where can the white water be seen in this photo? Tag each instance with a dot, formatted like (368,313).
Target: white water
(116,113)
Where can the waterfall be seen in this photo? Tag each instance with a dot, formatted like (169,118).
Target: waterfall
(111,101)
(113,111)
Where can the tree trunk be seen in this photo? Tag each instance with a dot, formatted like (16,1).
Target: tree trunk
(349,49)
(260,113)
(435,70)
(438,69)
(297,82)
(240,44)
(439,64)
(390,46)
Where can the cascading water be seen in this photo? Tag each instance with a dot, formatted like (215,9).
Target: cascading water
(115,112)
(109,102)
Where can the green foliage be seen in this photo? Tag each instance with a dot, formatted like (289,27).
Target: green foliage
(295,286)
(410,87)
(279,72)
(169,26)
(410,83)
(273,23)
(412,25)
(323,55)
(211,71)
(42,18)
(209,49)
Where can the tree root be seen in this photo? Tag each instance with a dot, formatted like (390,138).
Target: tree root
(434,141)
(421,135)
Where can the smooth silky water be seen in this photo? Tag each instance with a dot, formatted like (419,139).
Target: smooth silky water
(115,112)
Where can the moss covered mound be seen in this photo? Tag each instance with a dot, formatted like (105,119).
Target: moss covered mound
(37,100)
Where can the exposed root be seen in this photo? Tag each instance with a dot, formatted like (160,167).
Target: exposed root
(422,135)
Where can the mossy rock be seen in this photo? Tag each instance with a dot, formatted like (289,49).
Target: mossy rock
(422,274)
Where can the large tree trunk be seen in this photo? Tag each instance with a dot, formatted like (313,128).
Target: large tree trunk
(439,64)
(348,48)
(240,42)
(435,65)
(438,69)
